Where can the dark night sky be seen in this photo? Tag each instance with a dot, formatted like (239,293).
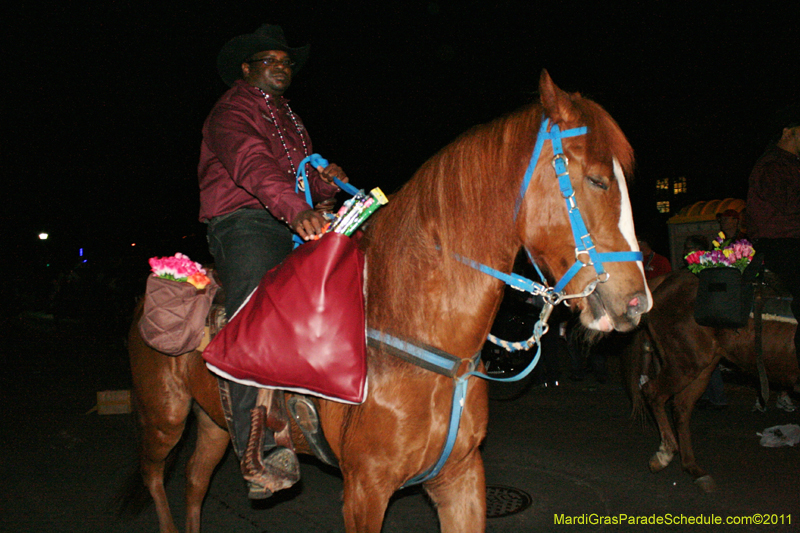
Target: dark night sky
(103,103)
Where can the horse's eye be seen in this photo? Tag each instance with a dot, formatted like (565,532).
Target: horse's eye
(598,182)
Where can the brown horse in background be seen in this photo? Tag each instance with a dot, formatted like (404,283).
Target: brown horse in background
(462,201)
(674,357)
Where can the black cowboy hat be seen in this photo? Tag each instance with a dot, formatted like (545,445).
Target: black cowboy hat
(267,37)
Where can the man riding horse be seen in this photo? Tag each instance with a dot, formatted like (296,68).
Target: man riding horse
(252,144)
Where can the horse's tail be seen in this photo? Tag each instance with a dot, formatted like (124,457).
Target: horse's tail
(133,497)
(637,365)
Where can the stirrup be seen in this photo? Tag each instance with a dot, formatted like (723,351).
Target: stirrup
(305,416)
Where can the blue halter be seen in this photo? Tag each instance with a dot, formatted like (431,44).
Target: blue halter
(584,247)
(583,240)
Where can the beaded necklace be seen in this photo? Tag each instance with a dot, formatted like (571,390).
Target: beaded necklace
(292,117)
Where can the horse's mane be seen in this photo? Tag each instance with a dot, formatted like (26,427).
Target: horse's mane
(461,201)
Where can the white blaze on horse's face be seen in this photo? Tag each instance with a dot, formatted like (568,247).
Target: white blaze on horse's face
(600,318)
(626,224)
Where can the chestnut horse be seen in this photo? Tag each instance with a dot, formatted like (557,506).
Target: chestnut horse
(461,203)
(672,357)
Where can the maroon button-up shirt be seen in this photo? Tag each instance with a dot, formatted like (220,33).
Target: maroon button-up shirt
(773,199)
(243,163)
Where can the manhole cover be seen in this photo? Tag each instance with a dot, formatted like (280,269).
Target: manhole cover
(504,501)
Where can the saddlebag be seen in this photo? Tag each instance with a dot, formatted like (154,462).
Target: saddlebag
(175,314)
(724,300)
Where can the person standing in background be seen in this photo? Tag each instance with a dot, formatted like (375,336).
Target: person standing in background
(773,211)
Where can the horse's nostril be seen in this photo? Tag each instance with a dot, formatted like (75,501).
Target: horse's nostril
(636,306)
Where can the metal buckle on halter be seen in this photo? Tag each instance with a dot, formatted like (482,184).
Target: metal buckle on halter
(551,298)
(589,289)
(544,317)
(579,253)
(565,161)
(571,204)
(587,242)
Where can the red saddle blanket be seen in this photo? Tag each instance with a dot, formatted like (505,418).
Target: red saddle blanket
(303,328)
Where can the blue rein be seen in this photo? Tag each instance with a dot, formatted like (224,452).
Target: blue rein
(316,161)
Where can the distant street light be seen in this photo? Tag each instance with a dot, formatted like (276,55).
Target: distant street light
(43,236)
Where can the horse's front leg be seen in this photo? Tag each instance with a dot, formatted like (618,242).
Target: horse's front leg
(657,400)
(365,502)
(683,405)
(459,493)
(212,441)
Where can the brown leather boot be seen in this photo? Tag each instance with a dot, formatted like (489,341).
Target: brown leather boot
(279,470)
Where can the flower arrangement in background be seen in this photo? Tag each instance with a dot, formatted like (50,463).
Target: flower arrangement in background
(179,268)
(725,254)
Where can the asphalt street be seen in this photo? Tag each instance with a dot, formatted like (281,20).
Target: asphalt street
(573,450)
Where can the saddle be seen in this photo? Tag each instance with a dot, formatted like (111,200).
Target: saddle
(215,321)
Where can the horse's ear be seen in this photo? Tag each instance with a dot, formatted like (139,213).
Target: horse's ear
(557,103)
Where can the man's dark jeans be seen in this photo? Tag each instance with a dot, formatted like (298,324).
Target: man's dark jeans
(245,244)
(782,256)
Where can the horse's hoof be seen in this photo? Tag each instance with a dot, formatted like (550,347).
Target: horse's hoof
(660,460)
(655,465)
(706,484)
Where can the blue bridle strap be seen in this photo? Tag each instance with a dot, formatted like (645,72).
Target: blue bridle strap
(456,409)
(421,355)
(543,136)
(513,280)
(599,259)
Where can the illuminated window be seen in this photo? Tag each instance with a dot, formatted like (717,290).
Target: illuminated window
(662,185)
(679,186)
(663,207)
